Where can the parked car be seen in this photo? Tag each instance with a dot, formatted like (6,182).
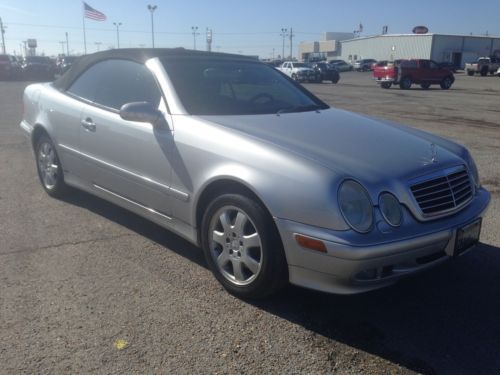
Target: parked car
(63,63)
(483,66)
(325,72)
(38,67)
(271,182)
(341,65)
(364,65)
(299,72)
(407,72)
(498,72)
(9,67)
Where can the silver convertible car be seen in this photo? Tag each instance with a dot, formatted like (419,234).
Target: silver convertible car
(271,182)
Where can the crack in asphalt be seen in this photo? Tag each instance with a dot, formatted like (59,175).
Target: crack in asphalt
(55,246)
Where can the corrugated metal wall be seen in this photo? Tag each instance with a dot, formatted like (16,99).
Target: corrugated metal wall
(388,47)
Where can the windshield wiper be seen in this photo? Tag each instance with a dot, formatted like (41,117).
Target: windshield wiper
(300,108)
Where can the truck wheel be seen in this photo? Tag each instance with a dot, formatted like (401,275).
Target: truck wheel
(294,77)
(470,72)
(405,83)
(446,83)
(425,86)
(484,71)
(386,85)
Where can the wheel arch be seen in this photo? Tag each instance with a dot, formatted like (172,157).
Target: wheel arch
(38,131)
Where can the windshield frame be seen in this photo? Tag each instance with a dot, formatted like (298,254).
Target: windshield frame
(179,97)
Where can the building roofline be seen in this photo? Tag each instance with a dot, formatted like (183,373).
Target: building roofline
(420,35)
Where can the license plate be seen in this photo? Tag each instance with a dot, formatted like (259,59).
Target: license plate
(467,236)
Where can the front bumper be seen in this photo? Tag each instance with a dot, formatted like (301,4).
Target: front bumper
(353,267)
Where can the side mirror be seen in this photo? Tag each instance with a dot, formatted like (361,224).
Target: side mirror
(140,112)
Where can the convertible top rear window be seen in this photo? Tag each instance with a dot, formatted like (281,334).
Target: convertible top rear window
(235,87)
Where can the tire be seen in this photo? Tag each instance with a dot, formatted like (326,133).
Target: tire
(49,167)
(425,86)
(470,72)
(254,270)
(386,85)
(405,83)
(484,71)
(294,77)
(446,83)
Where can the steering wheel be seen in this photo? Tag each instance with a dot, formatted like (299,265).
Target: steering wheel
(262,98)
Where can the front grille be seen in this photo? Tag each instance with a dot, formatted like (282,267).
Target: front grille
(449,191)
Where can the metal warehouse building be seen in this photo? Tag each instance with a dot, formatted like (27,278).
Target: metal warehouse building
(458,49)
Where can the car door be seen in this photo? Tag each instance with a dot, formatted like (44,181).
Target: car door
(125,159)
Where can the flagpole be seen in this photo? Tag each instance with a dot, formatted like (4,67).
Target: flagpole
(84,36)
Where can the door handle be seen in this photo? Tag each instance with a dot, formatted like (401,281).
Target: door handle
(88,124)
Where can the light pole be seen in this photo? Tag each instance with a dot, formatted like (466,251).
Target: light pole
(152,9)
(2,31)
(62,45)
(283,35)
(67,44)
(117,25)
(195,33)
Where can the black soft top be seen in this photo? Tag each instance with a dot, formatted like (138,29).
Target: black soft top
(140,55)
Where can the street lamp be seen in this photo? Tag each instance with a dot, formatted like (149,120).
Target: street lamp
(117,25)
(283,35)
(152,9)
(195,33)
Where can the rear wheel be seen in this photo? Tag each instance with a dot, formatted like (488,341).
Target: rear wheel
(242,247)
(425,86)
(49,167)
(405,83)
(470,72)
(484,71)
(386,85)
(446,83)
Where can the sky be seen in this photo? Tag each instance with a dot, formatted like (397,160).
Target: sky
(250,27)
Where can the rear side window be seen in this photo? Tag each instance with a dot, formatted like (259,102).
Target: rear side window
(86,85)
(113,83)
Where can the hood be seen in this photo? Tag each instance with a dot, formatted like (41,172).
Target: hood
(353,145)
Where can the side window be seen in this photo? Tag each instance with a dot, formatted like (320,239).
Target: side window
(86,85)
(126,82)
(433,65)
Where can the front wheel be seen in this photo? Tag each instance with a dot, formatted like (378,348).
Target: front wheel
(405,83)
(49,167)
(470,72)
(446,83)
(386,85)
(294,77)
(242,247)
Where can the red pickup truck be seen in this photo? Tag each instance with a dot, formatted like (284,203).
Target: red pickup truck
(407,72)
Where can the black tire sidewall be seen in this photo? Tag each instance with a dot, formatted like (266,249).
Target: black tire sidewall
(273,273)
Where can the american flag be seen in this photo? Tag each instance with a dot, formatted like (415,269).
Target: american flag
(92,13)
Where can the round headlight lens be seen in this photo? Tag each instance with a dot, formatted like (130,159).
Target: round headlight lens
(356,206)
(391,209)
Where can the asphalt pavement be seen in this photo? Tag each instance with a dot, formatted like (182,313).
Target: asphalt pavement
(87,287)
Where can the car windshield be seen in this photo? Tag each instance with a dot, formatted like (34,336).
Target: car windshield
(236,87)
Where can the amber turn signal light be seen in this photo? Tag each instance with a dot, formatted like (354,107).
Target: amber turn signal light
(310,243)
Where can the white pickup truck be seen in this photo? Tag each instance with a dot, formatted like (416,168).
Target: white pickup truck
(483,66)
(298,71)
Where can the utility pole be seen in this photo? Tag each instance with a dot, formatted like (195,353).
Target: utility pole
(283,35)
(117,24)
(195,33)
(2,31)
(152,9)
(62,45)
(291,43)
(67,44)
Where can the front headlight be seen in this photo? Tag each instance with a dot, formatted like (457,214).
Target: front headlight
(474,172)
(391,209)
(356,206)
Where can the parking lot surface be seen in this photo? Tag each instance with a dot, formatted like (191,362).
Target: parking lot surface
(88,287)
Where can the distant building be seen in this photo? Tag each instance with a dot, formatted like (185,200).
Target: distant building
(458,49)
(328,48)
